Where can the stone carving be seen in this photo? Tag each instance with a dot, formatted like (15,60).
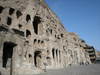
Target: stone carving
(32,39)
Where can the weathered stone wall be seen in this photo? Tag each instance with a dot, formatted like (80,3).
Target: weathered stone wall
(36,39)
(97,56)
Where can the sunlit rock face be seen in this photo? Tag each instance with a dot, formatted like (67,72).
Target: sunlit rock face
(32,39)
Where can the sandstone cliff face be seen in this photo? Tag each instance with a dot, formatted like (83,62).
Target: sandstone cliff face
(98,56)
(32,39)
(98,53)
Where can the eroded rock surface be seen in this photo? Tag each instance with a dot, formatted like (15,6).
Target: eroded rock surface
(32,39)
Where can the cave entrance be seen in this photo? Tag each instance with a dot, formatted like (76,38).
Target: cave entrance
(7,54)
(36,22)
(53,53)
(37,58)
(28,33)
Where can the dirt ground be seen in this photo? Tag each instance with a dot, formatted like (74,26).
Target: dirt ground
(93,69)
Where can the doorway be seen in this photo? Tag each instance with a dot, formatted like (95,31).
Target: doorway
(36,22)
(7,54)
(37,58)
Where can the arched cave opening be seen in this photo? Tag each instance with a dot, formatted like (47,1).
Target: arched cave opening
(37,57)
(28,33)
(53,52)
(36,22)
(7,53)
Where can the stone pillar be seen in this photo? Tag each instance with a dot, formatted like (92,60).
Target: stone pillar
(61,58)
(55,59)
(13,67)
(58,57)
(1,53)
